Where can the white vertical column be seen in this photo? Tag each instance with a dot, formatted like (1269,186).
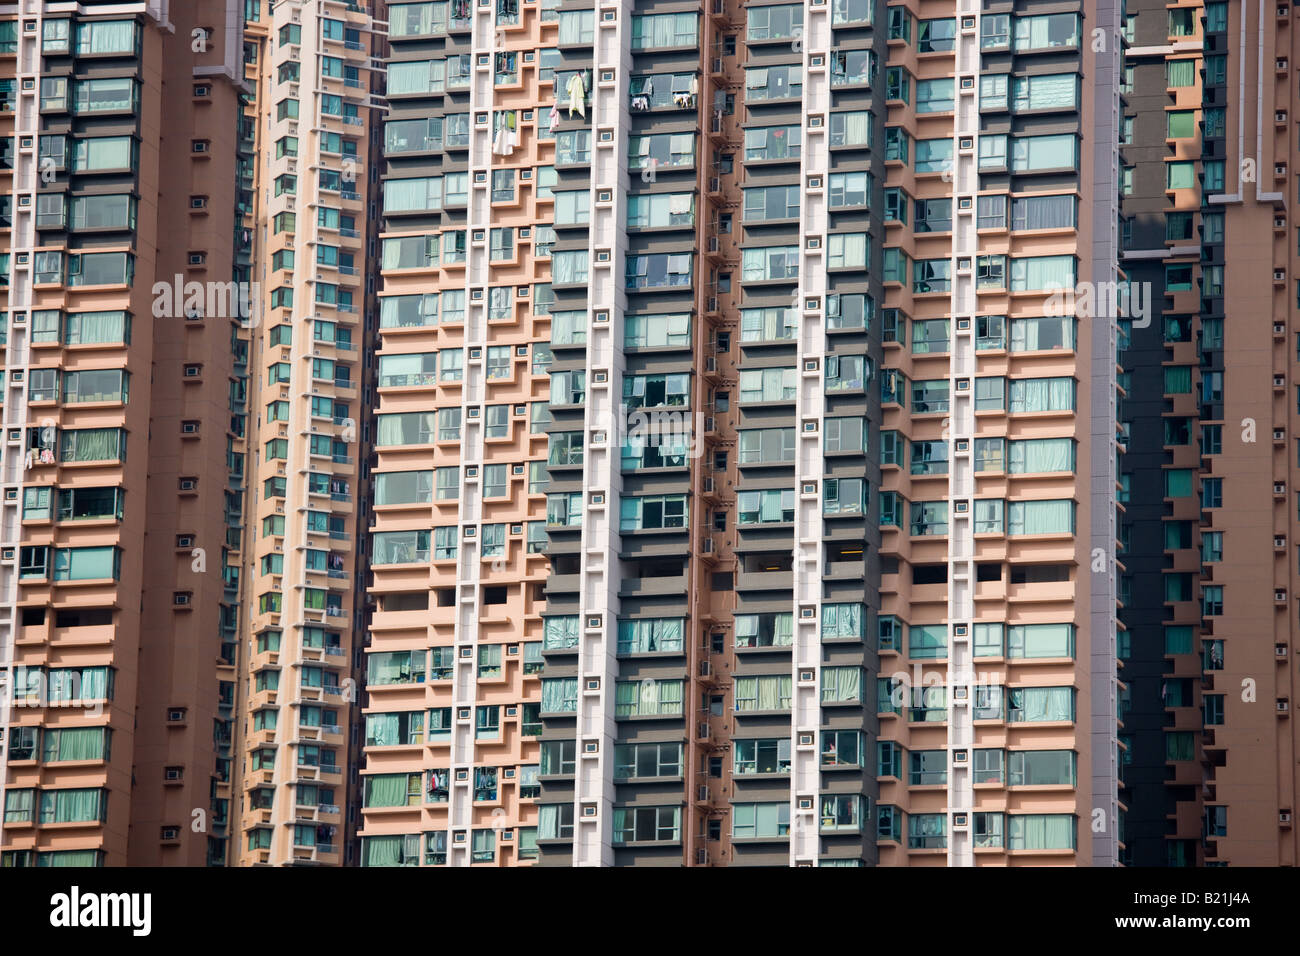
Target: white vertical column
(810,410)
(293,615)
(601,481)
(469,516)
(22,244)
(961,434)
(1103,258)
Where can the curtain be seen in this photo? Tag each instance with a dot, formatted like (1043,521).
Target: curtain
(388,668)
(548,821)
(90,327)
(1042,455)
(560,632)
(769,693)
(117,36)
(670,696)
(383,850)
(412,19)
(70,806)
(90,444)
(1058,91)
(86,743)
(856,129)
(1043,212)
(574,26)
(839,620)
(1179,746)
(77,858)
(1042,394)
(382,730)
(853,249)
(386,790)
(1042,832)
(841,684)
(1178,379)
(560,695)
(1041,517)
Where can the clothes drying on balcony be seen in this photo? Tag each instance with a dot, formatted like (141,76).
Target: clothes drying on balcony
(576,90)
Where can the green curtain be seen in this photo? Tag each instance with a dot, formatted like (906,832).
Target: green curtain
(1041,517)
(382,850)
(386,790)
(1178,639)
(1054,831)
(70,806)
(79,858)
(560,695)
(841,684)
(1042,455)
(381,730)
(82,743)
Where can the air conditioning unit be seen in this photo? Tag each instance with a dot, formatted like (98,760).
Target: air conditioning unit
(711,363)
(181,599)
(172,773)
(171,833)
(197,259)
(1284,816)
(199,146)
(202,90)
(189,428)
(198,202)
(185,541)
(1283,705)
(188,484)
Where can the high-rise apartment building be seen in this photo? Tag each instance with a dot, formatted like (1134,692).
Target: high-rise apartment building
(830,474)
(309,68)
(662,433)
(1210,422)
(118,140)
(458,549)
(862,626)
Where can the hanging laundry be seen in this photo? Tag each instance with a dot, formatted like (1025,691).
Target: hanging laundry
(577,93)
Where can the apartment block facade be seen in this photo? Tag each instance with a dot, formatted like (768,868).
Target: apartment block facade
(797,252)
(118,125)
(309,66)
(1209,422)
(647,433)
